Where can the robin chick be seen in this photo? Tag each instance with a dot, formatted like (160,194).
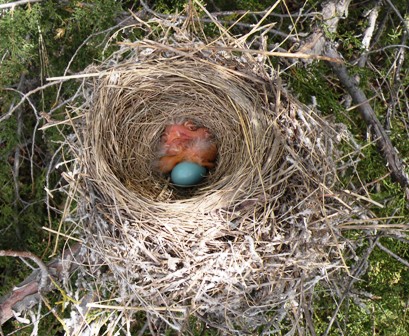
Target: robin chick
(186,142)
(200,151)
(177,135)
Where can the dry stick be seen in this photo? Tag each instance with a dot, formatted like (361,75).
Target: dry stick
(26,294)
(229,13)
(241,12)
(17,156)
(17,3)
(401,18)
(393,255)
(384,143)
(25,97)
(369,31)
(393,101)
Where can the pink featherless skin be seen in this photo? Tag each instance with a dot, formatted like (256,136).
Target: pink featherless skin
(186,142)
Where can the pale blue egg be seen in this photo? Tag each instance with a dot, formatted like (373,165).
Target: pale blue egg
(187,174)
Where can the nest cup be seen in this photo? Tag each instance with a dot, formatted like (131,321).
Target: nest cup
(135,104)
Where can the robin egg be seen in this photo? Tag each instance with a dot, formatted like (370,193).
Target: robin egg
(187,174)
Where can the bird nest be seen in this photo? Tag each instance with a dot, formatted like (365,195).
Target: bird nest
(248,245)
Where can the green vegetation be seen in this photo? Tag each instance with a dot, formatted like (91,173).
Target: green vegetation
(39,40)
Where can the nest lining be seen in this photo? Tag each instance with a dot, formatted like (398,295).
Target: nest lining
(237,246)
(127,127)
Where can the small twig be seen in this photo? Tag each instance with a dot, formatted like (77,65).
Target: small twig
(23,99)
(17,3)
(243,12)
(219,48)
(17,156)
(33,257)
(229,13)
(393,255)
(403,21)
(67,68)
(396,67)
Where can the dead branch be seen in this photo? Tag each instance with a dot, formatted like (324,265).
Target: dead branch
(27,294)
(384,143)
(317,44)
